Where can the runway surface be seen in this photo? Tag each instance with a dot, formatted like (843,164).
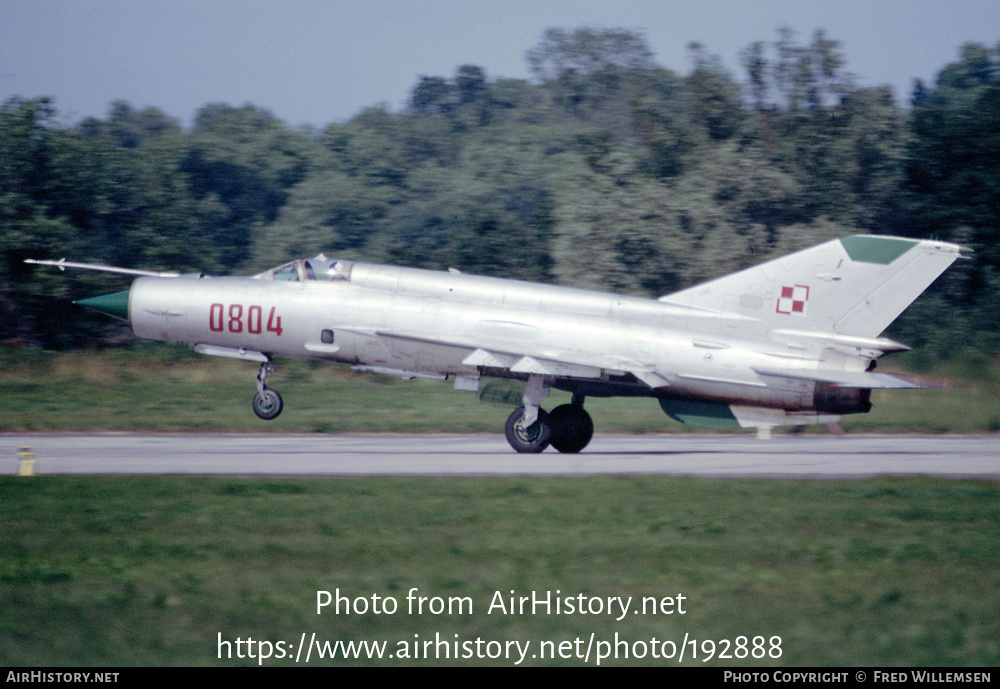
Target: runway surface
(486,455)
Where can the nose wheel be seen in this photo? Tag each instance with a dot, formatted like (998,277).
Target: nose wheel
(267,403)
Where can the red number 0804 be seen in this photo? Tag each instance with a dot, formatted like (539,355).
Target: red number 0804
(237,318)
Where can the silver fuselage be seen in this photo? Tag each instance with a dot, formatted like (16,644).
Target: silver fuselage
(432,323)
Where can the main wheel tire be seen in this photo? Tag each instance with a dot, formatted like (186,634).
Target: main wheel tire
(534,438)
(267,405)
(572,428)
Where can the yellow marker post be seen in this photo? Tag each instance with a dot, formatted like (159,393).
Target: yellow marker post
(27,466)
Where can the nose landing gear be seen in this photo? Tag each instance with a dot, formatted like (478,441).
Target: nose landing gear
(267,403)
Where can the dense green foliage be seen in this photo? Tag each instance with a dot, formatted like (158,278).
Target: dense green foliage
(607,171)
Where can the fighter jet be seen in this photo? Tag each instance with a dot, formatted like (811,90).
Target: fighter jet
(792,341)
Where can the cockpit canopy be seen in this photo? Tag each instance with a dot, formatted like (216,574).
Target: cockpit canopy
(318,268)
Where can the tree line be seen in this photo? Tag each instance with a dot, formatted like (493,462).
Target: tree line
(605,170)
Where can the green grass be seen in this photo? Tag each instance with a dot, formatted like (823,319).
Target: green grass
(102,571)
(164,388)
(111,571)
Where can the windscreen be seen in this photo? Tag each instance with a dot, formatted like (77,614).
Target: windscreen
(319,268)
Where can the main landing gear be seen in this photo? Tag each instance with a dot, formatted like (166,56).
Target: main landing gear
(267,403)
(568,428)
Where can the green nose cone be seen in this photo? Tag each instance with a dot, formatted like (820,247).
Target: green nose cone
(115,305)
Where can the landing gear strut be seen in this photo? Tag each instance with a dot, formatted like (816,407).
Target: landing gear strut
(267,403)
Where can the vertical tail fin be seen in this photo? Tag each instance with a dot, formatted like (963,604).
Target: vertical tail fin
(856,286)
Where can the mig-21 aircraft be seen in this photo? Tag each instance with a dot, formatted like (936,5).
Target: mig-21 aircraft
(792,341)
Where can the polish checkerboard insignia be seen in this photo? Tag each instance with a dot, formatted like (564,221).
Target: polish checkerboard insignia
(793,300)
